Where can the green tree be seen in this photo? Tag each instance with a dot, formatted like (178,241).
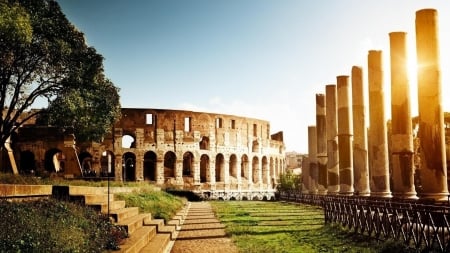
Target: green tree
(44,57)
(91,116)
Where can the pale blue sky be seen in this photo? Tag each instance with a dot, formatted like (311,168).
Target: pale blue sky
(264,59)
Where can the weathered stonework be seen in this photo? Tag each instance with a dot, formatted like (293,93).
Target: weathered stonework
(378,145)
(360,150)
(332,139)
(312,158)
(218,156)
(321,128)
(402,153)
(431,116)
(345,136)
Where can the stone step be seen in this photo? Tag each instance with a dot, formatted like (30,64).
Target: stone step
(138,240)
(158,244)
(134,223)
(97,198)
(103,207)
(121,214)
(86,190)
(162,228)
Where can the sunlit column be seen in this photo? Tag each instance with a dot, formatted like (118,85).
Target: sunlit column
(378,145)
(332,139)
(360,153)
(312,155)
(321,144)
(431,117)
(345,136)
(401,124)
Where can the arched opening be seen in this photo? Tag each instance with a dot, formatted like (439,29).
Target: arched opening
(54,160)
(255,146)
(27,162)
(107,163)
(272,167)
(170,160)
(128,141)
(255,169)
(265,170)
(204,143)
(220,172)
(129,167)
(85,160)
(244,167)
(204,169)
(150,166)
(188,164)
(233,166)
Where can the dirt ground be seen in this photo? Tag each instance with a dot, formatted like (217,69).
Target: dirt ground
(202,232)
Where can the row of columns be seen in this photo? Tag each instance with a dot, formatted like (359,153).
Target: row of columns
(346,157)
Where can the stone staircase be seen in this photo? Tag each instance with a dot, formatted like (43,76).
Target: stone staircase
(145,234)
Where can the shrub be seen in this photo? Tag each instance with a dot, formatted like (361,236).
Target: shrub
(55,226)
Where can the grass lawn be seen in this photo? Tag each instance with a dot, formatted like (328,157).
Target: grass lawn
(280,227)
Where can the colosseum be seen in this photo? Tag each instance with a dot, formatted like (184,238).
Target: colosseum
(214,155)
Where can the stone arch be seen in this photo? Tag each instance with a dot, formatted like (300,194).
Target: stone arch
(188,164)
(107,163)
(204,169)
(255,169)
(220,168)
(85,160)
(53,161)
(129,166)
(265,170)
(255,146)
(244,167)
(170,160)
(150,166)
(233,169)
(277,168)
(272,168)
(27,162)
(128,141)
(204,143)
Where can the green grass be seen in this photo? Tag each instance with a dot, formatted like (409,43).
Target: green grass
(160,204)
(280,227)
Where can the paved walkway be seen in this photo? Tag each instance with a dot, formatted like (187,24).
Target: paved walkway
(202,232)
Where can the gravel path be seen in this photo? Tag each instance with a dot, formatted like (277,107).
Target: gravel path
(202,232)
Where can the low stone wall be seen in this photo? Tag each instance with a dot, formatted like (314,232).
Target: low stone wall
(17,191)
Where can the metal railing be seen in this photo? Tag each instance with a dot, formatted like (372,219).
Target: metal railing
(419,224)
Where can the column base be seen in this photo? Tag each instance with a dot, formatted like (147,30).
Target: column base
(386,194)
(443,196)
(405,195)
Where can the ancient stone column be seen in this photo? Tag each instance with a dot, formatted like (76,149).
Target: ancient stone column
(378,145)
(433,168)
(321,128)
(332,139)
(401,124)
(345,136)
(305,175)
(360,152)
(312,155)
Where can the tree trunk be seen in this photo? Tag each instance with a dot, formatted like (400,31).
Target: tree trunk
(12,160)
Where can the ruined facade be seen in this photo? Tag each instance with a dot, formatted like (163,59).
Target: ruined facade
(218,156)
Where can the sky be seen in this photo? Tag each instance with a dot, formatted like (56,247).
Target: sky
(263,59)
